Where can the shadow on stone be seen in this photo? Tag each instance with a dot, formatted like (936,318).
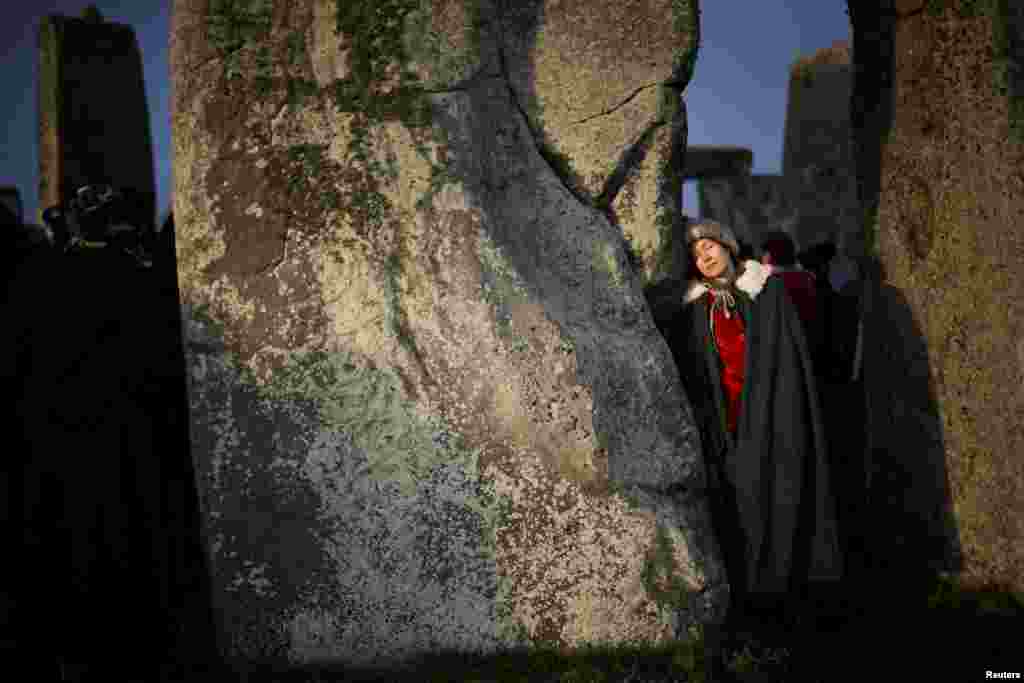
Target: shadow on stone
(904,527)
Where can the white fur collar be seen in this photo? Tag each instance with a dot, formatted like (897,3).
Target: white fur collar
(751,281)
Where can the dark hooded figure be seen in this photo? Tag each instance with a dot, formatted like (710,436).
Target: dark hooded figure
(745,366)
(803,288)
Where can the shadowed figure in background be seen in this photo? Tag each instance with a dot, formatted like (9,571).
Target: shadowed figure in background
(744,363)
(779,253)
(816,260)
(831,323)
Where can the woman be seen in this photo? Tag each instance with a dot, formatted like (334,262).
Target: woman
(744,363)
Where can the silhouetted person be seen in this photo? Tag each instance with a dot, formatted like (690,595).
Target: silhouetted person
(817,258)
(77,363)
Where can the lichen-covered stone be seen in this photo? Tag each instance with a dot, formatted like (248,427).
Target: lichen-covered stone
(947,317)
(647,207)
(600,85)
(430,407)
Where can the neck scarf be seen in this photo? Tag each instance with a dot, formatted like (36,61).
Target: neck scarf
(721,291)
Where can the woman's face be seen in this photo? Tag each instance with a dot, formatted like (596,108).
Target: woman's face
(711,257)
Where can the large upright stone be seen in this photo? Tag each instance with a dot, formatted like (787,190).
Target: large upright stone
(600,87)
(815,197)
(750,204)
(430,407)
(714,161)
(946,318)
(93,116)
(817,149)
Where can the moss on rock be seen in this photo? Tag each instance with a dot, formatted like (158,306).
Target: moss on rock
(662,578)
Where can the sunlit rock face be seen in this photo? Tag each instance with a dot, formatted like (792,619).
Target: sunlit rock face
(430,408)
(940,149)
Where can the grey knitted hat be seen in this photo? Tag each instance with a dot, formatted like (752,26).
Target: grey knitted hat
(714,230)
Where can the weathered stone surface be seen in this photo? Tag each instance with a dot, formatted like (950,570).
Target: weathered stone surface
(751,205)
(97,133)
(637,55)
(646,205)
(712,161)
(430,407)
(948,237)
(817,151)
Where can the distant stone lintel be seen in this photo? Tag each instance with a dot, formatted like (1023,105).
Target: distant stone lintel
(714,161)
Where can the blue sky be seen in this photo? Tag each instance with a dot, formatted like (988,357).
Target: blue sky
(737,96)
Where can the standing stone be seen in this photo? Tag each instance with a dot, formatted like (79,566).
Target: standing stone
(750,204)
(817,150)
(945,319)
(712,161)
(617,142)
(93,116)
(430,408)
(815,198)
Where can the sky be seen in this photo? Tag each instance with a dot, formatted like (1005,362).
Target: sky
(737,95)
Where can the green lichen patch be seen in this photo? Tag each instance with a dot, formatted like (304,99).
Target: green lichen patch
(686,21)
(263,79)
(233,24)
(670,185)
(311,157)
(604,259)
(299,90)
(203,314)
(965,9)
(451,51)
(440,175)
(366,403)
(501,285)
(295,49)
(380,86)
(314,183)
(661,576)
(396,323)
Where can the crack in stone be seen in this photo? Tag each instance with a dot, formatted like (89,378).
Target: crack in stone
(616,107)
(522,111)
